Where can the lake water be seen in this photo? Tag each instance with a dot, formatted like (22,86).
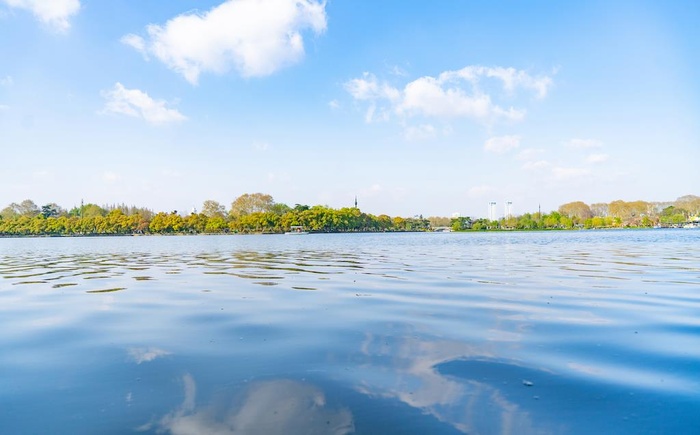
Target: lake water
(509,333)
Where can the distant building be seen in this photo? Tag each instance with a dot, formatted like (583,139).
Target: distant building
(492,211)
(508,212)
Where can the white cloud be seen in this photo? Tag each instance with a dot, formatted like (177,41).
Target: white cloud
(136,103)
(529,153)
(261,146)
(6,81)
(501,144)
(420,132)
(452,94)
(430,97)
(584,143)
(334,104)
(510,78)
(597,158)
(563,173)
(533,166)
(254,37)
(55,13)
(368,88)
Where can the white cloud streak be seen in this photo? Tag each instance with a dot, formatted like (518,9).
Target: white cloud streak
(584,143)
(254,37)
(501,144)
(54,13)
(536,165)
(450,95)
(420,132)
(597,158)
(138,104)
(564,173)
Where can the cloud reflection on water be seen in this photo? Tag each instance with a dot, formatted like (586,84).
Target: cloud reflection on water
(145,354)
(267,407)
(453,382)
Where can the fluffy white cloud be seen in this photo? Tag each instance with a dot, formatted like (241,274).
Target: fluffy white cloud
(501,144)
(434,98)
(597,158)
(584,143)
(55,13)
(511,78)
(254,37)
(136,103)
(452,94)
(368,88)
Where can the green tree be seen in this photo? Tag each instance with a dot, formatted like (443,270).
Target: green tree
(211,208)
(251,203)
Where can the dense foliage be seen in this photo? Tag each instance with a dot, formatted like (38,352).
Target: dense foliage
(250,213)
(258,213)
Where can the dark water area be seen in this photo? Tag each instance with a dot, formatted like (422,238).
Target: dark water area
(509,333)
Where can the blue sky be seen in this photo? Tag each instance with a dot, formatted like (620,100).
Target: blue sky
(414,107)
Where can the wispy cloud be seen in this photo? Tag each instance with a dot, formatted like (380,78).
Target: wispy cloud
(254,37)
(449,95)
(529,153)
(567,173)
(261,146)
(584,143)
(136,103)
(597,158)
(419,132)
(501,144)
(54,13)
(536,165)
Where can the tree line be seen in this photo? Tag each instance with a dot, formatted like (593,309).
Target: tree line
(573,215)
(249,213)
(259,213)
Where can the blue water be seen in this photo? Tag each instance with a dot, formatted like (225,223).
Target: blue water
(510,333)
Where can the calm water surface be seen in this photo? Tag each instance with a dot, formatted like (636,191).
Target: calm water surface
(508,333)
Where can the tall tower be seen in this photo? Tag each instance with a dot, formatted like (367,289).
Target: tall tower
(492,211)
(508,210)
(355,201)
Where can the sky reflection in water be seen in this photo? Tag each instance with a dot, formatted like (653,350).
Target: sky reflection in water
(390,333)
